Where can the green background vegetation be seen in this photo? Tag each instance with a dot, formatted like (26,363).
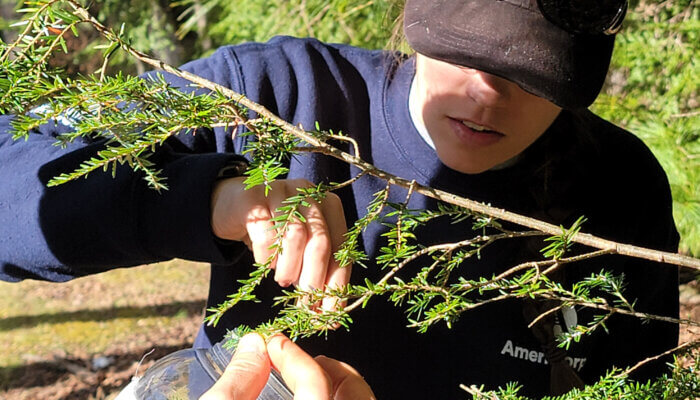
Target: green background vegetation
(652,88)
(653,91)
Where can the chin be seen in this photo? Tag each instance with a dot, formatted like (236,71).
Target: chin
(466,160)
(467,168)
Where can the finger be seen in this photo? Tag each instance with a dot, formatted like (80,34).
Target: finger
(225,222)
(246,374)
(259,225)
(348,384)
(247,242)
(336,277)
(318,249)
(288,264)
(306,379)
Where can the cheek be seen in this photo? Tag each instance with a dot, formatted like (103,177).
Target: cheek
(536,116)
(438,86)
(440,99)
(430,108)
(545,116)
(433,93)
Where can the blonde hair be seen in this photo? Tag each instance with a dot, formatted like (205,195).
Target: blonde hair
(397,40)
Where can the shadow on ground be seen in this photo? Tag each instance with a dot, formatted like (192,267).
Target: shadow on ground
(77,377)
(189,308)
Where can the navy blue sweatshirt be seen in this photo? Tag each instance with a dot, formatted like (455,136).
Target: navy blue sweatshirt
(581,166)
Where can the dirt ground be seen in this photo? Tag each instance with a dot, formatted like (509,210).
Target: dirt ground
(690,309)
(84,339)
(77,374)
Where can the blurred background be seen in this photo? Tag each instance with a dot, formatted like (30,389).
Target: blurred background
(84,339)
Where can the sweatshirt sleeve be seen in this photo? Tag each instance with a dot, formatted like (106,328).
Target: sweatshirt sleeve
(102,222)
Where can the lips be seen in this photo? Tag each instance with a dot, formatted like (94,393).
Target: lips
(475,127)
(473,134)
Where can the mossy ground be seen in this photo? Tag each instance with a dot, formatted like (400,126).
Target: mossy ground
(48,327)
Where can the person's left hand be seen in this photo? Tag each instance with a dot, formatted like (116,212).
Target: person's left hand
(322,378)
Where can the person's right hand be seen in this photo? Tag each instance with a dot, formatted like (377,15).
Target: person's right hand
(322,378)
(307,258)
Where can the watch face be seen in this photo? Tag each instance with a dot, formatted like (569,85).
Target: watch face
(585,16)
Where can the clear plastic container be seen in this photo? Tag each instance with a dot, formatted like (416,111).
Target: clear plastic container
(187,374)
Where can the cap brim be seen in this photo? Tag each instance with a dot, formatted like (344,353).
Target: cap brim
(514,43)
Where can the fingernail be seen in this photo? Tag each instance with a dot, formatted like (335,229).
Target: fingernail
(330,303)
(251,343)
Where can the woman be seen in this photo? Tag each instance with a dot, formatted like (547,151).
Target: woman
(493,107)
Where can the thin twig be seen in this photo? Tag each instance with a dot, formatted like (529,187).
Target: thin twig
(686,114)
(498,213)
(617,310)
(50,50)
(318,16)
(349,181)
(419,288)
(475,391)
(687,345)
(463,309)
(248,123)
(539,264)
(30,26)
(143,358)
(343,138)
(544,314)
(399,233)
(430,249)
(357,8)
(305,18)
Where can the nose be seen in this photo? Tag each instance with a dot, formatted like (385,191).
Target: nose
(488,90)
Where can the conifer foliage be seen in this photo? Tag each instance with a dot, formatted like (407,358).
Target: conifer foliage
(135,116)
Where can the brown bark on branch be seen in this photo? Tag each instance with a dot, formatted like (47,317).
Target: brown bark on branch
(682,347)
(324,148)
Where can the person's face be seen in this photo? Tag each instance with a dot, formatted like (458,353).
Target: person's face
(477,120)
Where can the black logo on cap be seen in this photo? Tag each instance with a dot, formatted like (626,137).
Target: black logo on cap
(585,16)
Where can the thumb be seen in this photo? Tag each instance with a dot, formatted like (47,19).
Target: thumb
(246,374)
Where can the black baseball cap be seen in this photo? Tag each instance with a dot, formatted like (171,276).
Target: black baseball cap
(549,48)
